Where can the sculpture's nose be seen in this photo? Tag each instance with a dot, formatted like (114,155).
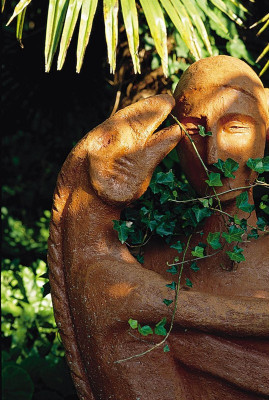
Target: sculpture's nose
(212,149)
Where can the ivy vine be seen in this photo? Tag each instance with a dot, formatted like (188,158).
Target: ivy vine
(170,203)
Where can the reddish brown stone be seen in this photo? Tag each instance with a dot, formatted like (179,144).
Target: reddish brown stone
(218,346)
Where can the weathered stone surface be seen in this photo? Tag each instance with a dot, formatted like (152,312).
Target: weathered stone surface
(219,347)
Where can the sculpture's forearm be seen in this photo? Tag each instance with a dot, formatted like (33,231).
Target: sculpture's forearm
(234,314)
(139,295)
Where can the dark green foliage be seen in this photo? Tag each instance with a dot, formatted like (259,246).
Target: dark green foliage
(243,204)
(188,282)
(214,179)
(236,254)
(202,131)
(160,328)
(213,240)
(259,165)
(167,302)
(234,234)
(145,330)
(227,167)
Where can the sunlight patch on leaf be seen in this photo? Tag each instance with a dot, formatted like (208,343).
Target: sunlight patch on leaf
(156,22)
(18,9)
(130,19)
(69,26)
(111,8)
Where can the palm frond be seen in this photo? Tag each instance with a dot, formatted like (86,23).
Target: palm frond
(87,15)
(22,4)
(264,20)
(130,19)
(188,17)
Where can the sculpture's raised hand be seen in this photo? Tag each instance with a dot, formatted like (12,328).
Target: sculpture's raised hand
(124,151)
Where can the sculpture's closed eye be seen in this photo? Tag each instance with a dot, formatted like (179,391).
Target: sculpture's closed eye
(236,127)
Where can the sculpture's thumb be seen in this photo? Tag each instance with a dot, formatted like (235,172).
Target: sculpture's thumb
(161,143)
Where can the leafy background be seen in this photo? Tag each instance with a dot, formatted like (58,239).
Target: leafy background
(43,116)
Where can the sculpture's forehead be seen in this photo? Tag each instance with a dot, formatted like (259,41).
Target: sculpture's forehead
(215,102)
(213,74)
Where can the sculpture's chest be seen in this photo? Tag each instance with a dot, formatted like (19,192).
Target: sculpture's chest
(219,274)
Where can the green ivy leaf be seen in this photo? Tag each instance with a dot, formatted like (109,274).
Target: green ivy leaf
(123,228)
(145,330)
(194,267)
(165,178)
(140,258)
(166,348)
(243,204)
(234,234)
(236,254)
(173,270)
(178,246)
(190,218)
(136,236)
(201,213)
(188,282)
(261,223)
(133,323)
(213,240)
(227,167)
(206,202)
(202,131)
(167,302)
(214,179)
(241,222)
(198,252)
(253,234)
(172,285)
(259,165)
(165,196)
(166,228)
(160,329)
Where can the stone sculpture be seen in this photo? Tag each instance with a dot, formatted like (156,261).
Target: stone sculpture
(218,347)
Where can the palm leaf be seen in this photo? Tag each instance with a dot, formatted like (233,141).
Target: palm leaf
(111,8)
(264,52)
(56,16)
(193,12)
(20,23)
(87,14)
(156,22)
(18,9)
(265,68)
(211,15)
(186,15)
(177,14)
(240,6)
(130,19)
(69,26)
(3,5)
(226,10)
(264,19)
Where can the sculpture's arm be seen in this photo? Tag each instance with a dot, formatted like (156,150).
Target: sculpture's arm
(138,293)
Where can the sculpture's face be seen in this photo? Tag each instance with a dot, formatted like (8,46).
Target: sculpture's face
(238,128)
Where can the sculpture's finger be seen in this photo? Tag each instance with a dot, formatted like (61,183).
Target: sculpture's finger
(162,142)
(146,115)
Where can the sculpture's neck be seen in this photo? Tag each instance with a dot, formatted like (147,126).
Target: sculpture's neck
(220,220)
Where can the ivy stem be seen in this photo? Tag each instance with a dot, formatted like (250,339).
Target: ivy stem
(194,259)
(257,183)
(173,315)
(198,155)
(230,216)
